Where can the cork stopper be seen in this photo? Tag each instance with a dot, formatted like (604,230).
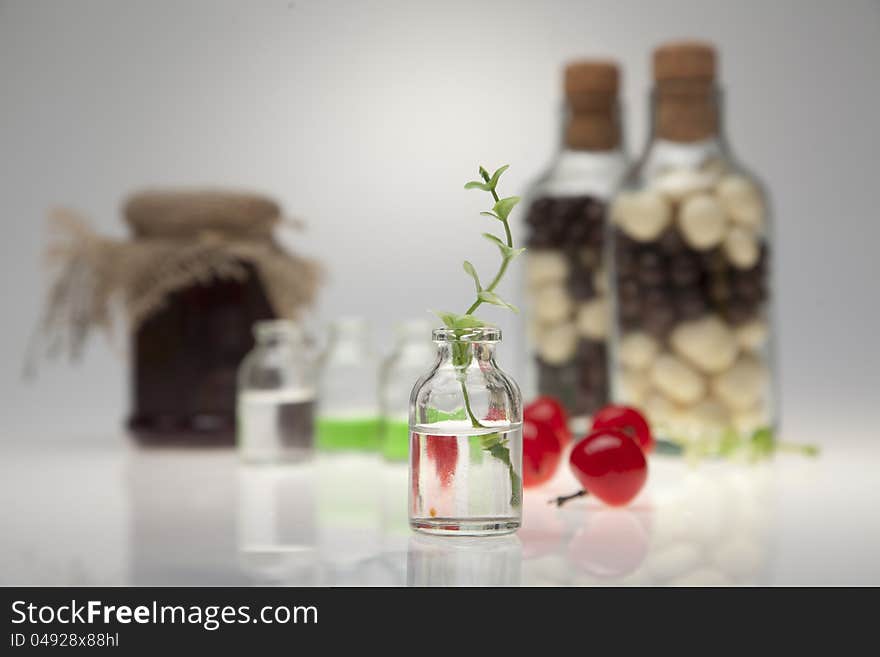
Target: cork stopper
(591,76)
(686,104)
(685,60)
(591,88)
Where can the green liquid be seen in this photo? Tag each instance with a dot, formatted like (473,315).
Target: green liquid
(334,434)
(395,440)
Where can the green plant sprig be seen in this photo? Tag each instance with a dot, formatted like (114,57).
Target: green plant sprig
(501,212)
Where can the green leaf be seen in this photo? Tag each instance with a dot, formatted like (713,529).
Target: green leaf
(489,213)
(456,321)
(469,321)
(504,206)
(447,318)
(476,184)
(472,272)
(487,296)
(489,182)
(507,252)
(510,253)
(494,239)
(763,442)
(730,442)
(495,176)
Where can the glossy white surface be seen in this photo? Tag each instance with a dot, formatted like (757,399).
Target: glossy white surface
(98,515)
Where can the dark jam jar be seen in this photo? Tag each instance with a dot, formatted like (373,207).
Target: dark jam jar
(218,272)
(690,262)
(566,283)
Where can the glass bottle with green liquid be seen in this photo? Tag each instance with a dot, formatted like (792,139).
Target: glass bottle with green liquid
(413,353)
(348,415)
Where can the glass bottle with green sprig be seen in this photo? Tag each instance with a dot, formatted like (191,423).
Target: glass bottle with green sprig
(465,416)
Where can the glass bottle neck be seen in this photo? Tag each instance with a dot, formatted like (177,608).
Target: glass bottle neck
(686,128)
(278,333)
(459,354)
(577,172)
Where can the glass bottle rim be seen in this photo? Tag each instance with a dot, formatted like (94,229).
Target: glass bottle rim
(476,334)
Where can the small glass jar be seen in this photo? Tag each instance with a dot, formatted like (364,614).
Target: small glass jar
(276,396)
(689,252)
(348,410)
(465,427)
(412,354)
(565,282)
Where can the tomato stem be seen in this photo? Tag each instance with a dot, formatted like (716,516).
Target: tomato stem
(562,499)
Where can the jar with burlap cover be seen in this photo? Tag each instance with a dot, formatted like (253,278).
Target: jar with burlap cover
(200,268)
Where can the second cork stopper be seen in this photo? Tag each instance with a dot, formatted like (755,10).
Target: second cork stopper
(685,60)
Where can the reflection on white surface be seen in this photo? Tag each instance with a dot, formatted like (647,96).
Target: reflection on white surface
(199,517)
(464,561)
(63,518)
(182,517)
(276,524)
(706,526)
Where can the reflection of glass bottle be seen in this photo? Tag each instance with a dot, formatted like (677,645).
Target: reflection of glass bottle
(466,452)
(411,357)
(276,524)
(565,282)
(348,415)
(276,395)
(435,561)
(690,261)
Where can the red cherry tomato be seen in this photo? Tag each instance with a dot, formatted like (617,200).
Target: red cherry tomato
(443,451)
(628,420)
(610,465)
(547,409)
(542,451)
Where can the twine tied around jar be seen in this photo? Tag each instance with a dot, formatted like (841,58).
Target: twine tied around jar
(181,239)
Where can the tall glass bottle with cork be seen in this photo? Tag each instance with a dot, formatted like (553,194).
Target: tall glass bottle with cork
(348,405)
(566,284)
(689,257)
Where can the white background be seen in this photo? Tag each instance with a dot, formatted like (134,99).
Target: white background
(365,118)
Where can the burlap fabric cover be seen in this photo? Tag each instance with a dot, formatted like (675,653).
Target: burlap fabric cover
(180,239)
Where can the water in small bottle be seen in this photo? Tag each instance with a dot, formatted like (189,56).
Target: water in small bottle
(276,425)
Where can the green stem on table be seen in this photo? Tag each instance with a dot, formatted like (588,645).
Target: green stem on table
(798,448)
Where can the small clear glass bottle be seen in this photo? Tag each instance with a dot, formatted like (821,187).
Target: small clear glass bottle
(565,282)
(412,354)
(348,408)
(466,440)
(276,396)
(689,254)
